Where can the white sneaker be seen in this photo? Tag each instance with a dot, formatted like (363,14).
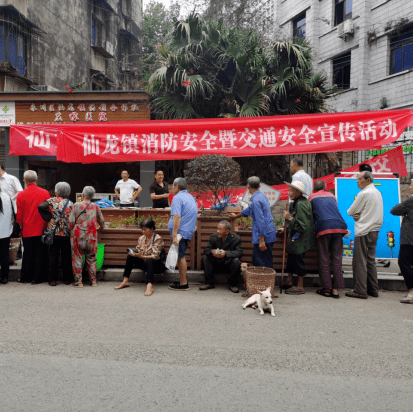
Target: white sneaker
(407,300)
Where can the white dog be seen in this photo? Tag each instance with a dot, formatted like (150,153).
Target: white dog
(262,300)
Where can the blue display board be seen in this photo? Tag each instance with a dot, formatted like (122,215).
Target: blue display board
(346,192)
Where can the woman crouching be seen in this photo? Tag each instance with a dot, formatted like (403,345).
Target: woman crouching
(146,256)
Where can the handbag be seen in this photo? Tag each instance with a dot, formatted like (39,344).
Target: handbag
(162,255)
(16,227)
(48,238)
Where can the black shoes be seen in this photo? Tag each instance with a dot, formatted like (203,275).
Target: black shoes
(372,294)
(4,280)
(207,287)
(178,287)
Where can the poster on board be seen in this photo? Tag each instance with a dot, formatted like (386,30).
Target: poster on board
(346,193)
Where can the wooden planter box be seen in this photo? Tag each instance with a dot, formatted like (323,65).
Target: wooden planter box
(116,241)
(206,227)
(115,214)
(310,258)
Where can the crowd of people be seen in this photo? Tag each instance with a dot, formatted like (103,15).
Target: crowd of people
(312,219)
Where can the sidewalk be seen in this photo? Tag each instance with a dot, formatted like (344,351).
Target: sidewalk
(389,278)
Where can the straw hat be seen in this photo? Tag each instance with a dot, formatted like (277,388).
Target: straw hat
(297,185)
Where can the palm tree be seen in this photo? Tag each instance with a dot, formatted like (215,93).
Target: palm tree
(207,70)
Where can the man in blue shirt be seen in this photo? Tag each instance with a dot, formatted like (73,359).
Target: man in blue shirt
(263,230)
(184,213)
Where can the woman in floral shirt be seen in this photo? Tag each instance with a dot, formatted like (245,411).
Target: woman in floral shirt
(51,210)
(145,257)
(83,223)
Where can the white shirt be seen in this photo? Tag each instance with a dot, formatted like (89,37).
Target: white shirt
(10,186)
(126,190)
(369,204)
(6,218)
(306,179)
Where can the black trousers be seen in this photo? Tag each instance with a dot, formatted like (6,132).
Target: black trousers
(296,265)
(32,260)
(405,264)
(5,257)
(61,245)
(214,265)
(151,267)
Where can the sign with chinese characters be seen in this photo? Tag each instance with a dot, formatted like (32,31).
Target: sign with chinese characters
(185,139)
(49,112)
(7,113)
(272,194)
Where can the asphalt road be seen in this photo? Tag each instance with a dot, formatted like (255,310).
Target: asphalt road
(96,349)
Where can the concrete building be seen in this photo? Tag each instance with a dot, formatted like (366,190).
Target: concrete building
(365,47)
(47,44)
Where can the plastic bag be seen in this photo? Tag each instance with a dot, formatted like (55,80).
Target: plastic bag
(172,258)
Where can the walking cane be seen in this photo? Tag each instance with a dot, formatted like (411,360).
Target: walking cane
(285,242)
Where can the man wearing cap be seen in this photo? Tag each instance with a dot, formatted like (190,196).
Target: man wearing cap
(263,230)
(330,228)
(300,236)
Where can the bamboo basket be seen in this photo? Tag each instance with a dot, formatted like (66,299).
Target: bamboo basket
(259,279)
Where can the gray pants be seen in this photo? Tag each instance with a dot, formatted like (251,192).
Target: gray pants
(364,263)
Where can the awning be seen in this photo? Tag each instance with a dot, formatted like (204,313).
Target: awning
(11,10)
(129,35)
(186,139)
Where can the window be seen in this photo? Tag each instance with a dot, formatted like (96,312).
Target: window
(341,71)
(401,51)
(344,9)
(97,32)
(13,47)
(299,26)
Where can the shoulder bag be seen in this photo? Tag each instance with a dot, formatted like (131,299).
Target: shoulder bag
(47,239)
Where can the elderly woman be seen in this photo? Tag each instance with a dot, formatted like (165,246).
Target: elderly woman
(146,256)
(405,209)
(57,211)
(6,228)
(83,222)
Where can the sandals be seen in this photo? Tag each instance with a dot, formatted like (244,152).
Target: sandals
(323,293)
(77,285)
(294,291)
(286,286)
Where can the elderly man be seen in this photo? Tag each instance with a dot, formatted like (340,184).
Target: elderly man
(300,236)
(184,213)
(33,225)
(405,209)
(330,228)
(297,169)
(222,255)
(367,211)
(263,230)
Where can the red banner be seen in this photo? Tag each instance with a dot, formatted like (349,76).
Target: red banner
(389,162)
(185,139)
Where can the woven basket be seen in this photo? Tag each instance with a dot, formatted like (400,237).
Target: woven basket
(14,248)
(259,279)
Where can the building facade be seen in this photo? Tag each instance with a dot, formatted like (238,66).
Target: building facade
(88,44)
(364,46)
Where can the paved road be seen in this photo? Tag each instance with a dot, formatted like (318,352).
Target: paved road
(97,349)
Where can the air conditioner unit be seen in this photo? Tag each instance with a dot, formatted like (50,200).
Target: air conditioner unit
(348,27)
(345,29)
(109,48)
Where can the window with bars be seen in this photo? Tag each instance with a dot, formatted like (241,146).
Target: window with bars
(341,71)
(343,11)
(299,26)
(401,51)
(13,47)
